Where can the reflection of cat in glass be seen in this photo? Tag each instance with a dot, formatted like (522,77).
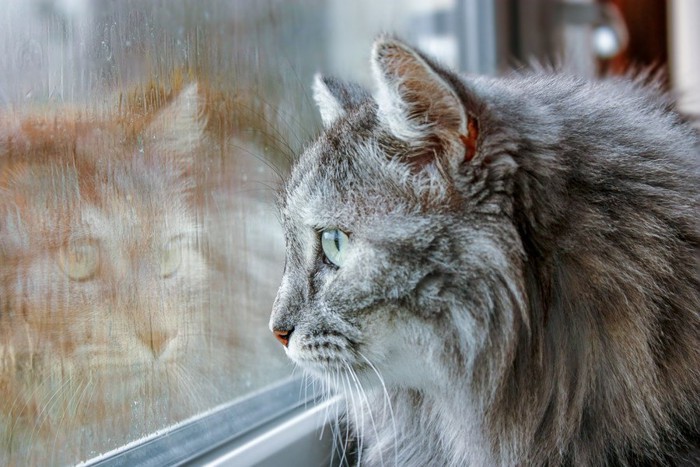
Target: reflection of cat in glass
(101,274)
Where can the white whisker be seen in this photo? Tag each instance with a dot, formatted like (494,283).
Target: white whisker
(388,404)
(357,409)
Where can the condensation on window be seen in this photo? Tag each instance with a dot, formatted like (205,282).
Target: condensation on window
(141,147)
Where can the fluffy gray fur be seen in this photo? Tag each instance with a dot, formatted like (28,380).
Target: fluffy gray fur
(535,304)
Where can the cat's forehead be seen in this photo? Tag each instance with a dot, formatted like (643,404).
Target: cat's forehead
(125,219)
(66,200)
(129,201)
(344,161)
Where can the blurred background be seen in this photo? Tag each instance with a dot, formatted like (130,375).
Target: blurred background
(100,77)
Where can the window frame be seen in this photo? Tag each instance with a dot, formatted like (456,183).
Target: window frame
(255,430)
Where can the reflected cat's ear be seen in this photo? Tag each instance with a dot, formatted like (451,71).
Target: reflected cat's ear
(416,99)
(335,98)
(179,128)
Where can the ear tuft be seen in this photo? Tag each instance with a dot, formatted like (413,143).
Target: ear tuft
(335,98)
(414,98)
(330,108)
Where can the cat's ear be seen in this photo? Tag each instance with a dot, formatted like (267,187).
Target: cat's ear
(413,97)
(179,127)
(335,98)
(418,102)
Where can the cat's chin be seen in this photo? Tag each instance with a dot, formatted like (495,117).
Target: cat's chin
(321,369)
(110,371)
(346,379)
(334,372)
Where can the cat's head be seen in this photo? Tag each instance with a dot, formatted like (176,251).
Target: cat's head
(102,273)
(398,223)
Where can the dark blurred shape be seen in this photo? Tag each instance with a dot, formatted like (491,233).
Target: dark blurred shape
(647,47)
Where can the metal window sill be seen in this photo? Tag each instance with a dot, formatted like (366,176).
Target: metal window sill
(282,423)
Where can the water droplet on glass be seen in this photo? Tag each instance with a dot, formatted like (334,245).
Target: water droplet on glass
(105,51)
(29,54)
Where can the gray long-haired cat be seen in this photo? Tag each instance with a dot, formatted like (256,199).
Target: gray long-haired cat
(498,271)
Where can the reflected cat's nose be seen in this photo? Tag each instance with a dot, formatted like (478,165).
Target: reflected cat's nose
(283,336)
(157,340)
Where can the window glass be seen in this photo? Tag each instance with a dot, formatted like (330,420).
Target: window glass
(141,144)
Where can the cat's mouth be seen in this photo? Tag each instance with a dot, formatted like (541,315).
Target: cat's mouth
(115,363)
(98,357)
(323,352)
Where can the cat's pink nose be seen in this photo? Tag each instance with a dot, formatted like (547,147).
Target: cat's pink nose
(283,336)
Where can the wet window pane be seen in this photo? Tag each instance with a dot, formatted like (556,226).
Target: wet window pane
(139,250)
(141,144)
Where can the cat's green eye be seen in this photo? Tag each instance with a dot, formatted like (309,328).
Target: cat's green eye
(171,257)
(79,260)
(334,243)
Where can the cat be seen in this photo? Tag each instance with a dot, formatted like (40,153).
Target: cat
(498,270)
(102,274)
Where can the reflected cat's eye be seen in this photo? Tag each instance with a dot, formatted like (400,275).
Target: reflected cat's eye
(334,243)
(79,260)
(171,257)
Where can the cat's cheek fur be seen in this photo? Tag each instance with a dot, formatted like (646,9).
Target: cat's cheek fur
(387,340)
(404,349)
